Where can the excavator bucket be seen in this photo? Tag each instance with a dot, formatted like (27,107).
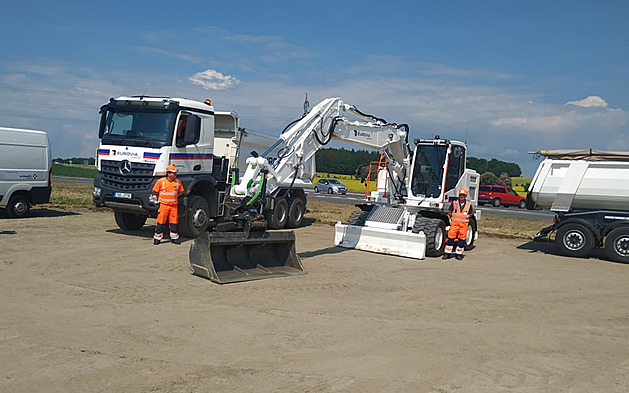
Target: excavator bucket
(226,257)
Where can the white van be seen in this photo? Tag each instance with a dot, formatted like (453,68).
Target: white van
(25,170)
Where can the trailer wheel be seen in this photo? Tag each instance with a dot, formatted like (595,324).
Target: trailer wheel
(574,240)
(129,221)
(435,231)
(276,218)
(18,206)
(471,235)
(195,219)
(296,208)
(617,245)
(357,217)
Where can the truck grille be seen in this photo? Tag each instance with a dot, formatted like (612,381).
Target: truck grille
(126,175)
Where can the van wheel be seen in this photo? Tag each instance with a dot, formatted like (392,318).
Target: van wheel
(129,221)
(617,245)
(296,208)
(18,206)
(496,202)
(196,219)
(276,218)
(522,204)
(574,240)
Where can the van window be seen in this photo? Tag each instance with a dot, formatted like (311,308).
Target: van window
(485,188)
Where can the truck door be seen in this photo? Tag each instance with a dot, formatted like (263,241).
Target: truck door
(188,155)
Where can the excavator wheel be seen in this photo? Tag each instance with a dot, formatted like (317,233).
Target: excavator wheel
(435,231)
(357,217)
(471,235)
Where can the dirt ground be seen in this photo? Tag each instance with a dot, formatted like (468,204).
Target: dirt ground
(87,307)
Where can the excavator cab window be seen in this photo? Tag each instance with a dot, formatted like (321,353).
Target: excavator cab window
(456,166)
(428,170)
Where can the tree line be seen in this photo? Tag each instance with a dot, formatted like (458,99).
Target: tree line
(350,162)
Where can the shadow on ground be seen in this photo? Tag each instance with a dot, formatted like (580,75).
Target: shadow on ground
(40,212)
(549,247)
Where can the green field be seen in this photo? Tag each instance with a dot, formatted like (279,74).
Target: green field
(72,170)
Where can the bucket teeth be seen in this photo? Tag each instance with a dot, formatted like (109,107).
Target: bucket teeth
(226,257)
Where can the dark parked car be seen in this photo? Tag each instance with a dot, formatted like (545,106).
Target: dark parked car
(331,186)
(500,195)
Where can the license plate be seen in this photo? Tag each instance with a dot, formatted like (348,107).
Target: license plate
(126,195)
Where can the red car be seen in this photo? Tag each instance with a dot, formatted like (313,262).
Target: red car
(500,195)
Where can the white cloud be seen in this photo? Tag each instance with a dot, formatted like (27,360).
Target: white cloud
(213,80)
(589,102)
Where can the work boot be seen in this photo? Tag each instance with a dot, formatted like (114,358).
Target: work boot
(156,241)
(175,241)
(446,256)
(459,257)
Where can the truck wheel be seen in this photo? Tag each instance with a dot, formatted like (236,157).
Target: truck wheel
(574,240)
(195,220)
(617,245)
(276,218)
(471,235)
(18,206)
(357,217)
(435,231)
(496,202)
(129,221)
(296,208)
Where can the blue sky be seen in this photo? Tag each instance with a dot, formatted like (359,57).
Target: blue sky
(508,77)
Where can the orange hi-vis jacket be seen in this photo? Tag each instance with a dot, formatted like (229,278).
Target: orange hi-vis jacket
(168,191)
(461,215)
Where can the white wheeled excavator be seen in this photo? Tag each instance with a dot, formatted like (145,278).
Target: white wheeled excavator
(406,215)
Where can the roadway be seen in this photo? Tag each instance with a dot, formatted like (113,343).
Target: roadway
(513,211)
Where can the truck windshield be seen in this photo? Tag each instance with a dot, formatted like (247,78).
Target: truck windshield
(428,170)
(138,128)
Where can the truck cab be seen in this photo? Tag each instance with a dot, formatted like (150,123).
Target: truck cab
(139,138)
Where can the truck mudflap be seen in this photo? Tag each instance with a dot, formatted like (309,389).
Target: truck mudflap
(226,257)
(383,241)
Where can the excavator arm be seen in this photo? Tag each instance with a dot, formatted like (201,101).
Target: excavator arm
(330,119)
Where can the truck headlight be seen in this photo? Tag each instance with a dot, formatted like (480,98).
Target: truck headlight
(96,192)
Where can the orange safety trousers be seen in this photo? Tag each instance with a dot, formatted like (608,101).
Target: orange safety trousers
(168,213)
(458,228)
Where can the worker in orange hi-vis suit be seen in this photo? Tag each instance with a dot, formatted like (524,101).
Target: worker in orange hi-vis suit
(460,213)
(167,189)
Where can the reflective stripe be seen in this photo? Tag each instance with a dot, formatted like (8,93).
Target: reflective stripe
(458,215)
(168,192)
